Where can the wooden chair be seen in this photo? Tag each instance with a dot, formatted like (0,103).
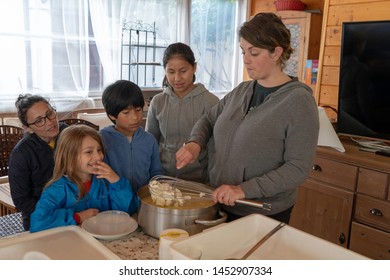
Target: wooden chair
(80,121)
(12,121)
(100,119)
(7,206)
(76,112)
(9,137)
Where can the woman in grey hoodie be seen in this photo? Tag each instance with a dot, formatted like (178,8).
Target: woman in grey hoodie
(265,130)
(173,112)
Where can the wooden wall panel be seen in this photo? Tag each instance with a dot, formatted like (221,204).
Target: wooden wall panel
(257,6)
(268,5)
(329,95)
(333,36)
(378,10)
(330,75)
(331,56)
(341,2)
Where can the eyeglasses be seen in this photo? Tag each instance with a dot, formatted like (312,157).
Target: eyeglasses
(39,122)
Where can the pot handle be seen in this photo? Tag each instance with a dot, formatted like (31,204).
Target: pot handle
(213,222)
(253,203)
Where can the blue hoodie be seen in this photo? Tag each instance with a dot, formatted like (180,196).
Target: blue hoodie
(60,201)
(137,161)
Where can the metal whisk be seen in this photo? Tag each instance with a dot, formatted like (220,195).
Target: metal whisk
(195,189)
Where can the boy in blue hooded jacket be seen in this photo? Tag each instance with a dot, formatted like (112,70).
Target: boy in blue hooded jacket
(131,152)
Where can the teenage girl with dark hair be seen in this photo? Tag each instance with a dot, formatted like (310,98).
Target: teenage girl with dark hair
(173,113)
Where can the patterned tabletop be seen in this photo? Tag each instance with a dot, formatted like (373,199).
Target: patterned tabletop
(11,224)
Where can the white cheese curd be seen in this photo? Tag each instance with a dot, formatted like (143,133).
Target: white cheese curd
(163,194)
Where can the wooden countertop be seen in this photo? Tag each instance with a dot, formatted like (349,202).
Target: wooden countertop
(354,156)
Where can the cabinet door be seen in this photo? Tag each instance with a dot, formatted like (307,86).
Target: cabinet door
(324,211)
(299,25)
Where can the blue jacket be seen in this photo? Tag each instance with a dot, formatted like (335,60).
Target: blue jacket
(60,201)
(137,161)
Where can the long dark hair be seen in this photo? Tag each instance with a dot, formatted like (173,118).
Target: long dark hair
(178,49)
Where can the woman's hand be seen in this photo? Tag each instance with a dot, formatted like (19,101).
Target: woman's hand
(103,170)
(228,194)
(86,214)
(187,154)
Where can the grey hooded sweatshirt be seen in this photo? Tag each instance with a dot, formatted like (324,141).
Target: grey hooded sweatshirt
(269,151)
(170,119)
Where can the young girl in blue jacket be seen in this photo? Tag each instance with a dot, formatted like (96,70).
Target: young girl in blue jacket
(82,184)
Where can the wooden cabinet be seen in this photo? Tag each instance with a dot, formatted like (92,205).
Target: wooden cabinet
(298,23)
(325,201)
(370,232)
(346,200)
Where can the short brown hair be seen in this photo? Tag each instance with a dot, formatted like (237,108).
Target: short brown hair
(267,31)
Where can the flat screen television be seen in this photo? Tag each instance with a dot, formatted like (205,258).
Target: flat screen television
(364,86)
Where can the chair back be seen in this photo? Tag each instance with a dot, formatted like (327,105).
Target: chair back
(100,119)
(9,137)
(86,110)
(80,121)
(12,121)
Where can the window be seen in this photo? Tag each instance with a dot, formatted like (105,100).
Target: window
(213,38)
(70,49)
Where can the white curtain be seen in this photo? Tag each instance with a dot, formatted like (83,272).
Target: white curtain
(183,21)
(75,28)
(49,47)
(238,64)
(214,42)
(12,55)
(107,17)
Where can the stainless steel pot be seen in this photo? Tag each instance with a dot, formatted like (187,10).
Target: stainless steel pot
(154,219)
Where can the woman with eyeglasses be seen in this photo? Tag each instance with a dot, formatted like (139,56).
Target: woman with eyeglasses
(32,159)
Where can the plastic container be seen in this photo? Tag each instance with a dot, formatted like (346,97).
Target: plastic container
(167,237)
(61,243)
(234,239)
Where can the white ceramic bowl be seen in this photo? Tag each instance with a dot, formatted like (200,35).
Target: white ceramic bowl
(110,224)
